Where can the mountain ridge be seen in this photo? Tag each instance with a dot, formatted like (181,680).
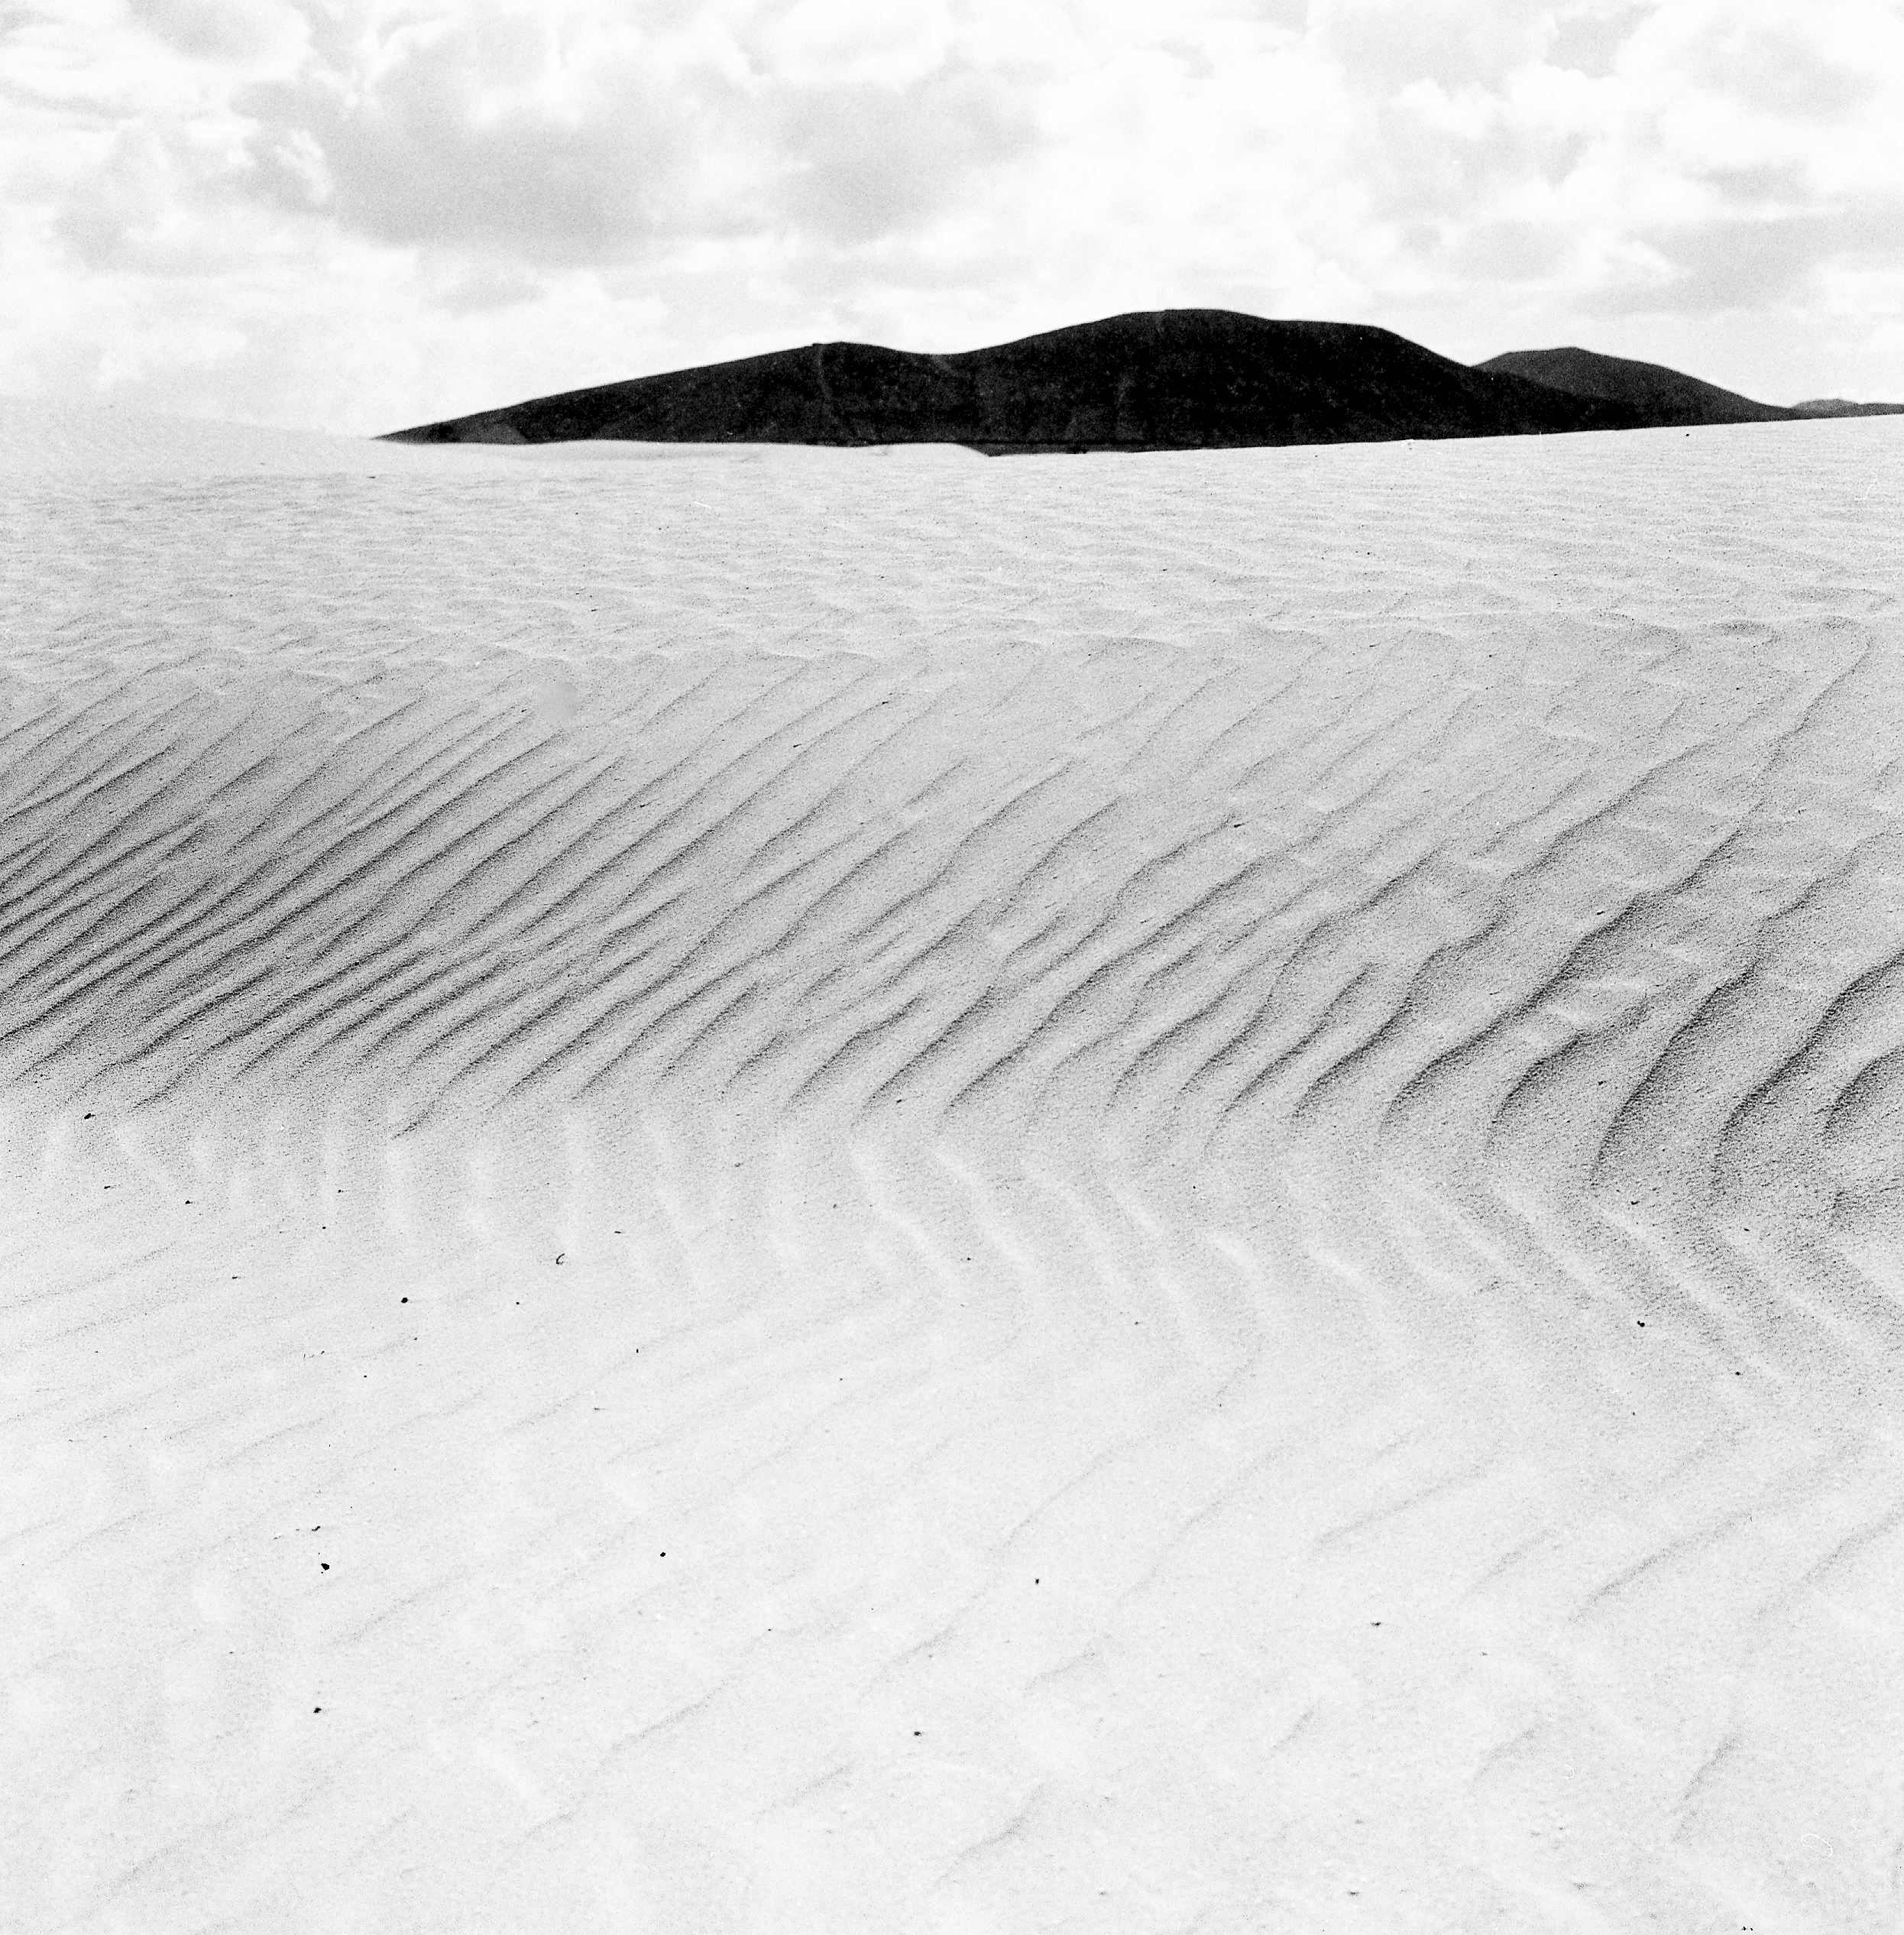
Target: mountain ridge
(1844,406)
(1148,380)
(1668,398)
(1145,380)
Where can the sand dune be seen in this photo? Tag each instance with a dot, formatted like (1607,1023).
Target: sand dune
(800,1189)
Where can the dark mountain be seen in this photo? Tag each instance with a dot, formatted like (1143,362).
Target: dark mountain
(1660,396)
(1161,380)
(1837,407)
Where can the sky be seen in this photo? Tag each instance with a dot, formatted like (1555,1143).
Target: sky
(358,214)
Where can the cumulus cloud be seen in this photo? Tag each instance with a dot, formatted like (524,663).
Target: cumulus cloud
(368,211)
(488,135)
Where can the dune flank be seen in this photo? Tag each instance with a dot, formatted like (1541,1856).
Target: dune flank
(794,1189)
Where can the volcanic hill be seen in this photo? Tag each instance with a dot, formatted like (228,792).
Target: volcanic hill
(1157,380)
(1844,406)
(1662,397)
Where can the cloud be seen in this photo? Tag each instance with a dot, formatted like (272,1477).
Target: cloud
(568,136)
(220,30)
(856,162)
(361,211)
(1384,45)
(489,134)
(854,43)
(1732,264)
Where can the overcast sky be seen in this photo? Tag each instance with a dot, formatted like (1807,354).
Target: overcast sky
(358,214)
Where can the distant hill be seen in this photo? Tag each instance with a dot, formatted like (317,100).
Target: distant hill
(1837,407)
(1159,380)
(1662,397)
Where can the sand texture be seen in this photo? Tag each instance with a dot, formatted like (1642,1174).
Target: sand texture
(787,1190)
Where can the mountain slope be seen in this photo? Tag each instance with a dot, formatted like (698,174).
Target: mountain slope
(1843,407)
(1662,397)
(1169,379)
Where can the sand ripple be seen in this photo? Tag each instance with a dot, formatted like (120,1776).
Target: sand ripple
(1211,1143)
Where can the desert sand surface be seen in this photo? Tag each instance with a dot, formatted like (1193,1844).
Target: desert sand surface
(802,1190)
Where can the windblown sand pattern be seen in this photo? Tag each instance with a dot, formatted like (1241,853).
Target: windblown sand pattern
(792,1190)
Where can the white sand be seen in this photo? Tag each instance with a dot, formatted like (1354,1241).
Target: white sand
(1212,1142)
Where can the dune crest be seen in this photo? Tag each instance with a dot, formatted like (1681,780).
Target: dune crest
(793,1189)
